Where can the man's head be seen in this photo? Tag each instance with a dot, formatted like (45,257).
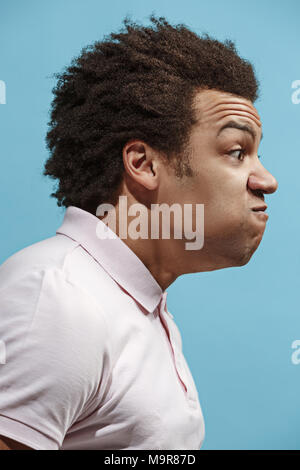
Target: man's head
(225,174)
(135,84)
(139,113)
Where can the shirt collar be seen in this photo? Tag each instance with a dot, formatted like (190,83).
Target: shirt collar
(118,260)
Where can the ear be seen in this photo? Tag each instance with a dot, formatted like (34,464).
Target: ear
(140,162)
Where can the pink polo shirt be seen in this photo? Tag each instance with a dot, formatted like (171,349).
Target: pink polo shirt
(91,357)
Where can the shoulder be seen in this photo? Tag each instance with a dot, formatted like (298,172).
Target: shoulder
(41,298)
(50,253)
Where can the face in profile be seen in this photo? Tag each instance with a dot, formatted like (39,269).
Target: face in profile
(228,178)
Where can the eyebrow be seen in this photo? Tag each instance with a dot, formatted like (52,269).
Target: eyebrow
(241,127)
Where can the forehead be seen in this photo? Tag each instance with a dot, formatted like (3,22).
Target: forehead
(214,108)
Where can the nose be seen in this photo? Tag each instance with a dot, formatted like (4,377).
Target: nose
(262,180)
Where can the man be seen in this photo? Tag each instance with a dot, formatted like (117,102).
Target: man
(156,115)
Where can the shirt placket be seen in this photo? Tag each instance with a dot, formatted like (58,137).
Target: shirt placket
(176,360)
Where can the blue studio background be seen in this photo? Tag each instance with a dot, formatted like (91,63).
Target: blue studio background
(237,324)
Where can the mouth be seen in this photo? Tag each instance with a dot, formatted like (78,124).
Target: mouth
(260,212)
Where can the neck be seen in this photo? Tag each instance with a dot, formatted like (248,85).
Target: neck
(166,259)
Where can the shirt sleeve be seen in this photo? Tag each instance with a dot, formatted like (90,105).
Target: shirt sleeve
(53,357)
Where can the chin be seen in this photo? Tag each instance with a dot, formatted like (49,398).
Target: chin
(248,252)
(245,259)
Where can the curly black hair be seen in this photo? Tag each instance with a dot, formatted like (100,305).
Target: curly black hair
(138,83)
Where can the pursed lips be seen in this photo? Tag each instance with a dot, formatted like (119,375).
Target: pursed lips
(260,211)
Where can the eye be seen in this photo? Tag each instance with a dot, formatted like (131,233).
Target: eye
(241,153)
